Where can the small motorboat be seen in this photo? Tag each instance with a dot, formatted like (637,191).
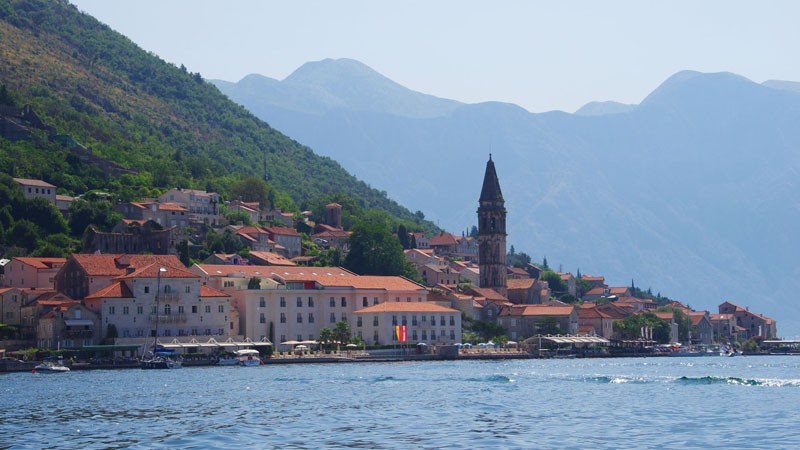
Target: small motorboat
(51,366)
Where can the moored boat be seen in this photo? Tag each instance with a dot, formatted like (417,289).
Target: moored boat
(51,366)
(248,357)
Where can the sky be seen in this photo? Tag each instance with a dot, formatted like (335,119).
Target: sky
(553,55)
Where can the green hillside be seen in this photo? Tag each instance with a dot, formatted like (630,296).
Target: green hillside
(120,119)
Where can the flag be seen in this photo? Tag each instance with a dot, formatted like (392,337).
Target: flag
(397,332)
(403,333)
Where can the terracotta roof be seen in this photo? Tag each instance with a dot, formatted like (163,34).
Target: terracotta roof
(154,270)
(206,291)
(282,231)
(333,204)
(537,310)
(592,313)
(618,290)
(521,283)
(324,276)
(489,294)
(664,315)
(171,207)
(406,307)
(596,291)
(30,182)
(272,259)
(633,300)
(442,239)
(332,233)
(42,263)
(519,271)
(591,278)
(565,276)
(116,265)
(118,289)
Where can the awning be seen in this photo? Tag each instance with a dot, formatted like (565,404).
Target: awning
(118,347)
(576,340)
(78,322)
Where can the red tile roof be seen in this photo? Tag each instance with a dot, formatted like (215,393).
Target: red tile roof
(117,265)
(521,283)
(42,263)
(154,270)
(118,289)
(283,231)
(272,259)
(171,207)
(405,307)
(537,310)
(206,291)
(30,182)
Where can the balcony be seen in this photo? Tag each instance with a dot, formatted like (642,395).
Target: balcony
(168,318)
(168,297)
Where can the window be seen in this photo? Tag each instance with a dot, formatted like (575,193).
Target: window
(344,317)
(358,322)
(333,302)
(167,309)
(441,321)
(375,321)
(333,318)
(452,321)
(310,302)
(111,310)
(283,302)
(180,309)
(453,335)
(167,289)
(344,302)
(283,317)
(188,289)
(408,299)
(433,320)
(124,310)
(262,303)
(414,320)
(299,302)
(299,318)
(194,309)
(433,335)
(364,302)
(208,331)
(299,337)
(283,338)
(208,309)
(413,335)
(424,319)
(404,320)
(394,320)
(153,310)
(310,317)
(375,336)
(262,318)
(424,335)
(221,308)
(147,289)
(375,300)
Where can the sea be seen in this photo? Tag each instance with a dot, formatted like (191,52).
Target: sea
(620,403)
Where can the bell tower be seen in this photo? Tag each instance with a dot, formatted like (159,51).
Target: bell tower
(492,232)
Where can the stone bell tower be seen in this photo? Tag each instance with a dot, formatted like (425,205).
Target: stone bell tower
(492,232)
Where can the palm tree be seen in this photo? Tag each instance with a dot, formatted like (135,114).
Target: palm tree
(325,336)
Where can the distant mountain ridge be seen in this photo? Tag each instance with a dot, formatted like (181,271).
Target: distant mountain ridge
(691,192)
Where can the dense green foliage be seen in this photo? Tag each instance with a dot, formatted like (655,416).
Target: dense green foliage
(119,119)
(631,327)
(374,250)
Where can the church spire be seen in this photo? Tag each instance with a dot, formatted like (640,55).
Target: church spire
(491,186)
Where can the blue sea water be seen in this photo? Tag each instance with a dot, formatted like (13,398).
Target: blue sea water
(710,402)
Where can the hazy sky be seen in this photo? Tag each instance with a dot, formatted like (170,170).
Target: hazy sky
(539,55)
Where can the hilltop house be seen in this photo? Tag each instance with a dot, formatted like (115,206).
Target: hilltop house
(37,189)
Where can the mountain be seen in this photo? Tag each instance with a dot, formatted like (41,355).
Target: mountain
(692,192)
(114,117)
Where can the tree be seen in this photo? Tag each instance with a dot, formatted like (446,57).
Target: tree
(252,189)
(254,283)
(183,252)
(23,234)
(402,234)
(325,336)
(554,281)
(83,213)
(374,250)
(544,263)
(549,325)
(342,332)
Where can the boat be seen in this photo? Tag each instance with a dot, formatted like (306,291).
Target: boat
(729,351)
(162,359)
(51,366)
(227,359)
(248,357)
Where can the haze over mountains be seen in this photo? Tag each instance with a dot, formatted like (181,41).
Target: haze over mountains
(693,192)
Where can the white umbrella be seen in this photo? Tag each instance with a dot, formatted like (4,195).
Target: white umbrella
(351,345)
(290,342)
(301,347)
